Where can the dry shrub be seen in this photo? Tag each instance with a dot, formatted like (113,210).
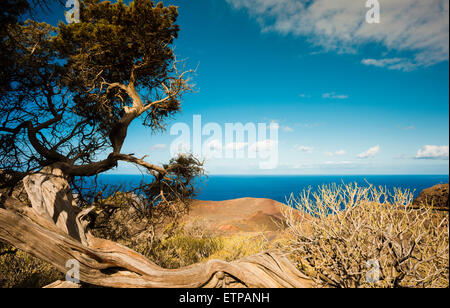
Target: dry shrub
(19,269)
(182,245)
(178,246)
(121,218)
(166,242)
(240,246)
(350,236)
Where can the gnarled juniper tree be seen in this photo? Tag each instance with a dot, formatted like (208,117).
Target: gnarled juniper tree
(70,92)
(68,95)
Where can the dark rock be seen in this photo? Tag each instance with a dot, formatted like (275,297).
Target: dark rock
(436,196)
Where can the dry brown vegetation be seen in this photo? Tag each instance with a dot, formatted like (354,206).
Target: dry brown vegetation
(163,238)
(339,236)
(68,96)
(173,247)
(367,237)
(19,269)
(159,237)
(189,256)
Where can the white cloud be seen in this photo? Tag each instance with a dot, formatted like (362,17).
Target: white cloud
(333,95)
(417,27)
(327,165)
(370,152)
(180,147)
(214,145)
(274,124)
(236,146)
(338,163)
(401,64)
(287,129)
(432,152)
(306,125)
(305,149)
(337,153)
(264,145)
(301,166)
(159,147)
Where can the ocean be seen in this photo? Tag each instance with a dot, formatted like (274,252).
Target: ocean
(225,187)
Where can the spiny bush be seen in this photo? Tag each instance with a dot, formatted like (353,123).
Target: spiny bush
(350,236)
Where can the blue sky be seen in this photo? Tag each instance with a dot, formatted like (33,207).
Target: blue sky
(349,97)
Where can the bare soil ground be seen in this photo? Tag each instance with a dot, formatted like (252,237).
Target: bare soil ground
(245,215)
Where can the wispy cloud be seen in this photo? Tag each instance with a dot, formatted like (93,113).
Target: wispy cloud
(401,64)
(236,146)
(214,145)
(306,125)
(287,129)
(263,145)
(333,95)
(303,148)
(400,156)
(372,152)
(411,127)
(327,165)
(337,153)
(419,28)
(432,152)
(159,147)
(338,163)
(259,146)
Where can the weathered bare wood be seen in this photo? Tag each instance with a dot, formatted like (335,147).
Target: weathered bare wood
(53,230)
(51,197)
(59,284)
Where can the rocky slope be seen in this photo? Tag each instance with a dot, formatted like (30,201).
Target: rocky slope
(239,215)
(437,196)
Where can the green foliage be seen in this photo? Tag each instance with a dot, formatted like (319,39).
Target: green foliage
(71,86)
(116,38)
(179,185)
(115,43)
(9,12)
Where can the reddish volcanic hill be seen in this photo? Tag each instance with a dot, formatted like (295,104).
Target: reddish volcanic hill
(239,215)
(436,196)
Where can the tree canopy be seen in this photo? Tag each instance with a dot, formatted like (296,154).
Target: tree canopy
(69,93)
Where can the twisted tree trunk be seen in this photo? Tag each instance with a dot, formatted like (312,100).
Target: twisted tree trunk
(53,230)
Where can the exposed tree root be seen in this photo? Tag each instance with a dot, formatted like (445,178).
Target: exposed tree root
(54,231)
